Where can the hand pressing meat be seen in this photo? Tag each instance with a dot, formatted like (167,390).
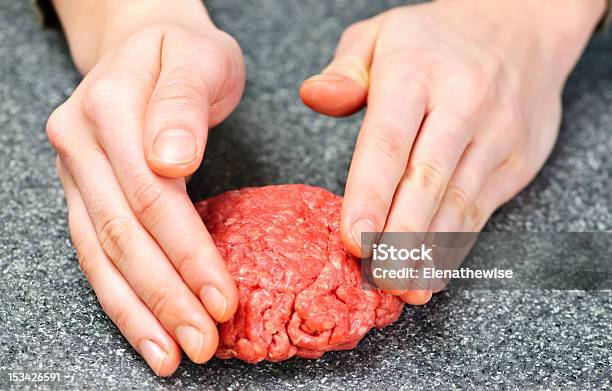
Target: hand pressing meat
(158,75)
(298,286)
(463,108)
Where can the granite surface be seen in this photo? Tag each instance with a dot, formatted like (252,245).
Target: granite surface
(534,338)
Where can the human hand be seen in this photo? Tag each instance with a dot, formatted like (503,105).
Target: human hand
(463,108)
(147,104)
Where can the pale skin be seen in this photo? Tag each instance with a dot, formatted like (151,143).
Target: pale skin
(463,108)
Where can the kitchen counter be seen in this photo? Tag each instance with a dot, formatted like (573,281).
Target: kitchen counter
(50,318)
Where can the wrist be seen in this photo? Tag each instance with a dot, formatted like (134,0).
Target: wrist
(549,32)
(566,27)
(96,28)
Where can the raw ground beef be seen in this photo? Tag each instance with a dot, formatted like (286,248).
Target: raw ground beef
(299,288)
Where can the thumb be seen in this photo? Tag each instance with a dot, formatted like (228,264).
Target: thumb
(342,87)
(200,82)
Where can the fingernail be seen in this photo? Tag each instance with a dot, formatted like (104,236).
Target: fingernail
(175,146)
(359,227)
(215,302)
(153,355)
(191,340)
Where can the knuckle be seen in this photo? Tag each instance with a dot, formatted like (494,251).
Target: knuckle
(225,40)
(460,122)
(407,70)
(397,13)
(100,101)
(515,165)
(84,255)
(119,316)
(85,264)
(380,206)
(115,233)
(388,143)
(182,90)
(459,201)
(159,301)
(219,57)
(475,218)
(225,61)
(489,65)
(149,201)
(352,31)
(212,51)
(511,118)
(475,87)
(185,260)
(56,127)
(515,129)
(429,178)
(348,34)
(212,45)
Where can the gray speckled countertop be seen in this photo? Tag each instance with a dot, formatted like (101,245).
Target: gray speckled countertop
(49,317)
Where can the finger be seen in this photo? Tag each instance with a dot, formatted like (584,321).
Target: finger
(136,255)
(132,250)
(439,146)
(342,87)
(160,204)
(197,78)
(396,106)
(520,165)
(480,185)
(491,146)
(472,172)
(506,180)
(126,310)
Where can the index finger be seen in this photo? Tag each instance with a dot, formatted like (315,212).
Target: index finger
(396,107)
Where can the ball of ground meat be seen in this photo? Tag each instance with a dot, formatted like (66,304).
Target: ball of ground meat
(298,286)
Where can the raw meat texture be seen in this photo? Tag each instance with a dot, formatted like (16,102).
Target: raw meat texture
(299,287)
